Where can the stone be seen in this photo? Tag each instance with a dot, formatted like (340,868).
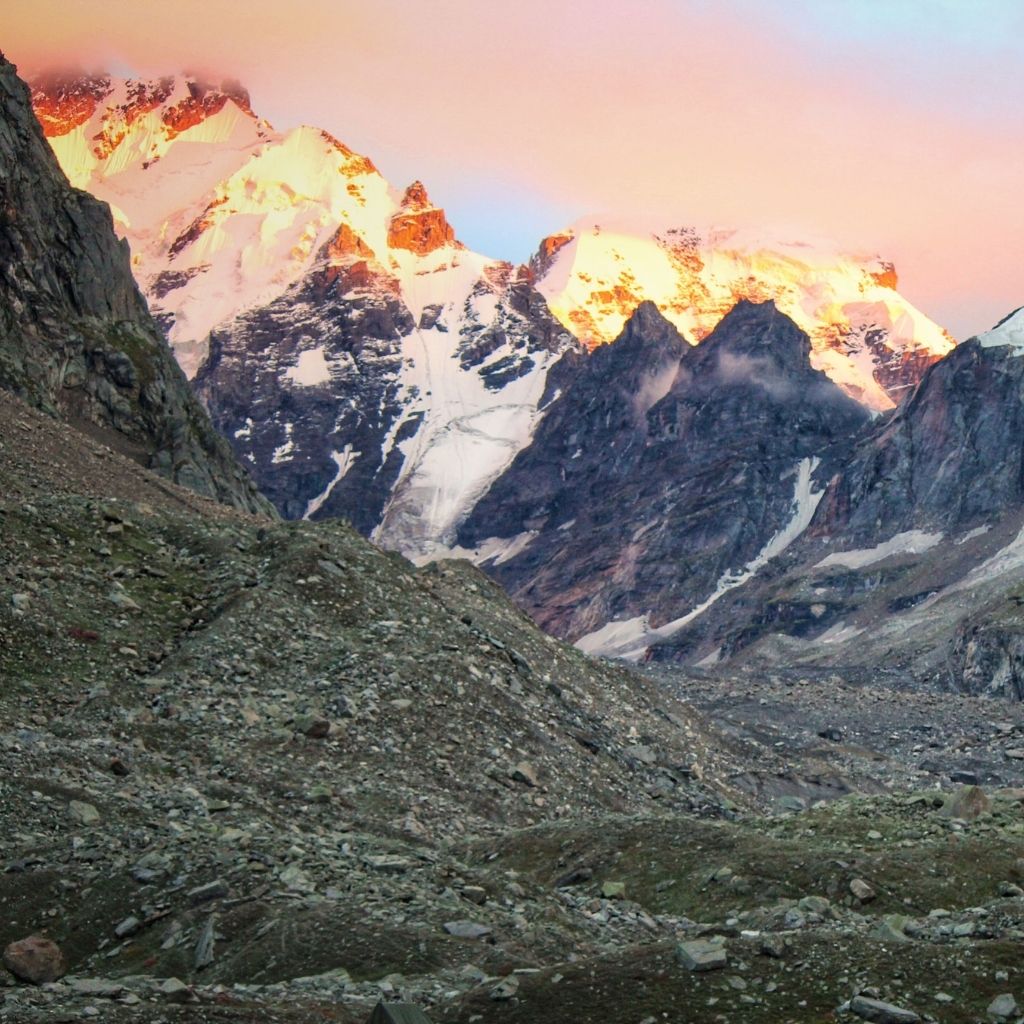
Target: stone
(613,890)
(526,774)
(861,890)
(129,926)
(773,946)
(204,944)
(1002,1007)
(466,929)
(815,905)
(215,890)
(700,955)
(174,990)
(642,753)
(967,803)
(35,959)
(505,989)
(881,1013)
(96,988)
(891,928)
(83,813)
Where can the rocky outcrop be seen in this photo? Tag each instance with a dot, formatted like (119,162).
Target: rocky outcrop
(949,458)
(419,226)
(76,337)
(661,469)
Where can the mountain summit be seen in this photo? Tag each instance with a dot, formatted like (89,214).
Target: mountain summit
(864,335)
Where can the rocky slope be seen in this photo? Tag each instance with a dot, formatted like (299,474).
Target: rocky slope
(663,476)
(263,770)
(75,336)
(864,335)
(253,770)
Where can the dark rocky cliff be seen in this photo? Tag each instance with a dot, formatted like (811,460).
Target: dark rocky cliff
(661,468)
(76,338)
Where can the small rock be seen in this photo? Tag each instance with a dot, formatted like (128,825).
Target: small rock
(891,928)
(466,929)
(861,890)
(1002,1007)
(881,1013)
(505,989)
(967,803)
(96,988)
(526,774)
(83,813)
(314,728)
(204,944)
(35,959)
(773,946)
(215,890)
(176,991)
(613,890)
(643,754)
(129,926)
(700,955)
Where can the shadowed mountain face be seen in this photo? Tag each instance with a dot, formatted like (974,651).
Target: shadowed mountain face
(76,338)
(662,470)
(913,565)
(950,457)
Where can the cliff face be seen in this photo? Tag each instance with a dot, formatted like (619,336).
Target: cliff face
(662,474)
(76,337)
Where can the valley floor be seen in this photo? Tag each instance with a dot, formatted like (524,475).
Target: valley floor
(256,771)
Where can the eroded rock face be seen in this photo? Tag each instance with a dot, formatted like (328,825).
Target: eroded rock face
(662,468)
(76,337)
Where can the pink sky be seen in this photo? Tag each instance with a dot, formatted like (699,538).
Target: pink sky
(893,127)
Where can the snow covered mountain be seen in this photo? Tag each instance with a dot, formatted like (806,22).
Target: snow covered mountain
(361,361)
(864,335)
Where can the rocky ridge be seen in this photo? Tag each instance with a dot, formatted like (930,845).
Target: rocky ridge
(76,337)
(619,500)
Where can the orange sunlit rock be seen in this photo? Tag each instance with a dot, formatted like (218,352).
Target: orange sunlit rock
(419,226)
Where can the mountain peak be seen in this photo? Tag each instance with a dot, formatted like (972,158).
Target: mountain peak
(648,326)
(759,330)
(419,226)
(64,100)
(415,198)
(864,334)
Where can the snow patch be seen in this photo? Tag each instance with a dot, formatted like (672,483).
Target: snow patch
(912,542)
(343,460)
(1009,333)
(493,551)
(978,531)
(310,370)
